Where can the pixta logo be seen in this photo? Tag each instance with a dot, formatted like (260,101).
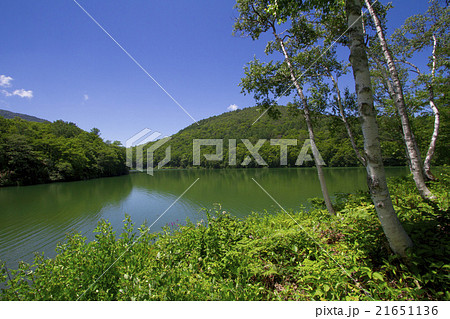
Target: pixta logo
(138,141)
(253,150)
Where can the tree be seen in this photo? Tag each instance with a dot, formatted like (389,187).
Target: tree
(399,100)
(256,17)
(398,239)
(95,131)
(421,31)
(333,23)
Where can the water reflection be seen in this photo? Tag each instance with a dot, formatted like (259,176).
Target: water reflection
(35,218)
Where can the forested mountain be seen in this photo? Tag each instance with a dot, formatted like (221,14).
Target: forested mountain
(10,115)
(32,153)
(331,138)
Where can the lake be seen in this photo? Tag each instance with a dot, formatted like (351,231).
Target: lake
(35,218)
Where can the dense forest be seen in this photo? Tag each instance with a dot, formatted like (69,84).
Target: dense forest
(32,153)
(332,139)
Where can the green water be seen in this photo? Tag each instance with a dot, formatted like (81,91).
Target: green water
(36,218)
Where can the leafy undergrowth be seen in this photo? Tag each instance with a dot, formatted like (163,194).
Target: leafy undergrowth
(295,256)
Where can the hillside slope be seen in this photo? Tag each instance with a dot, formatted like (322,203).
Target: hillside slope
(331,138)
(10,115)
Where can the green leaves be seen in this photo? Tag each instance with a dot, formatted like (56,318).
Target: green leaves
(254,18)
(377,276)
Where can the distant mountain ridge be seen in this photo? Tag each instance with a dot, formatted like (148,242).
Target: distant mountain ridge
(10,115)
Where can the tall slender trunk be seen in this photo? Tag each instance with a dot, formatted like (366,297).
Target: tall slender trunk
(411,145)
(398,239)
(312,137)
(344,119)
(432,147)
(437,120)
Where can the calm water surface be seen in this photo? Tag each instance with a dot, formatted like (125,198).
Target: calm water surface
(36,218)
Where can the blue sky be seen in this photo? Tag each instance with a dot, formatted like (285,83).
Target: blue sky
(57,63)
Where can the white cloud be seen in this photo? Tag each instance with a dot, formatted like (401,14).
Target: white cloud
(6,93)
(232,107)
(85,97)
(23,93)
(5,81)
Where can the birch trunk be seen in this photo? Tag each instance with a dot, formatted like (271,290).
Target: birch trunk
(398,239)
(432,147)
(411,145)
(312,137)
